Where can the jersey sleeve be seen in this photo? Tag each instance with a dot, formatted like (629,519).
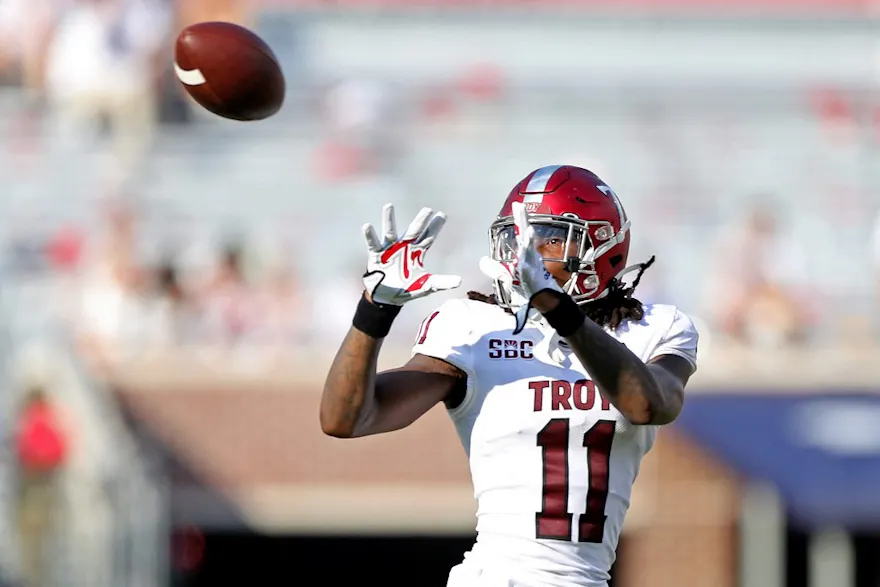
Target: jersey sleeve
(680,339)
(446,334)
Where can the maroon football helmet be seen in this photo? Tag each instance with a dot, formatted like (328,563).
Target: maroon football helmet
(570,203)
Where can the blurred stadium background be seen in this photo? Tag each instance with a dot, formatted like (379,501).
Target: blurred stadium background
(172,285)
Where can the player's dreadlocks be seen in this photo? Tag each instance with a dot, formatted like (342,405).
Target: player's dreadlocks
(610,311)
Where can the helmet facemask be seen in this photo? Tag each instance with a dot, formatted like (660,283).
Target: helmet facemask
(580,243)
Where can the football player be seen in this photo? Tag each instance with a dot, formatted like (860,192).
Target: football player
(557,383)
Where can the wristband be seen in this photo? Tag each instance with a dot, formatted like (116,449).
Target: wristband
(374,319)
(566,317)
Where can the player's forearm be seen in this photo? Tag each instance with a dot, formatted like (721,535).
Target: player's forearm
(621,376)
(349,400)
(349,390)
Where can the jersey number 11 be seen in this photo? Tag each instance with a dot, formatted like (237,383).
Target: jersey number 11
(554,521)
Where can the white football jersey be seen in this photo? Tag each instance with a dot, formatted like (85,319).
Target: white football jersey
(552,461)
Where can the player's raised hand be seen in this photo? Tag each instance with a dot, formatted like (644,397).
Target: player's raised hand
(395,268)
(530,268)
(526,274)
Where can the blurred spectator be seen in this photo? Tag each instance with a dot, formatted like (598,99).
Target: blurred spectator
(361,134)
(42,449)
(173,313)
(111,318)
(281,314)
(103,68)
(227,300)
(64,248)
(836,113)
(754,281)
(341,293)
(483,82)
(875,250)
(26,27)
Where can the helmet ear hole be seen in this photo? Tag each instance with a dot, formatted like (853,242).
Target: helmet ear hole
(616,260)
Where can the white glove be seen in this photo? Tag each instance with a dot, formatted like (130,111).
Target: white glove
(395,269)
(526,275)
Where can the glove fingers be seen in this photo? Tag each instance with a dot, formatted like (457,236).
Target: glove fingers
(371,238)
(426,238)
(521,221)
(389,225)
(417,226)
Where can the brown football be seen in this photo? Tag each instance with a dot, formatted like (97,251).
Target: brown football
(229,70)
